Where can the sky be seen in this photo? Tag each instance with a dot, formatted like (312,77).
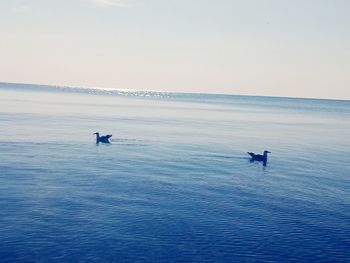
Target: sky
(293,48)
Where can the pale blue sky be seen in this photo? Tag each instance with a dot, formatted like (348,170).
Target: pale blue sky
(297,48)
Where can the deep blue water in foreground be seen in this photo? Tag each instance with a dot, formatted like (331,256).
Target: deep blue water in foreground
(176,184)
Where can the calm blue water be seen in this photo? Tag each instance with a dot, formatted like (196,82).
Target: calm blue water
(176,184)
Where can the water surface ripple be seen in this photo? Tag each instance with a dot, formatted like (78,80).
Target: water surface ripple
(176,184)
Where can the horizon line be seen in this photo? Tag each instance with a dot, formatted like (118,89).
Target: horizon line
(173,92)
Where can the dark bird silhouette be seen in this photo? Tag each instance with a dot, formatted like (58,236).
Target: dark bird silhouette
(259,157)
(103,139)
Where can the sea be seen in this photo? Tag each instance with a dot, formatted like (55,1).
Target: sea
(176,183)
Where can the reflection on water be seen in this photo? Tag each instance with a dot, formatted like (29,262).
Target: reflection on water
(175,184)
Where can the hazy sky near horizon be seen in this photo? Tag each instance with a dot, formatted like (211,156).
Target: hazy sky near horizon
(298,48)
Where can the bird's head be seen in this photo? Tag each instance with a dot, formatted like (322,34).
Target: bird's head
(266,152)
(96,133)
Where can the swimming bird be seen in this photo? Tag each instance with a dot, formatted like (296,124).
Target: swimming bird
(103,139)
(259,157)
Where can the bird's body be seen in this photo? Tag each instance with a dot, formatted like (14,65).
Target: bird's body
(259,157)
(103,139)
